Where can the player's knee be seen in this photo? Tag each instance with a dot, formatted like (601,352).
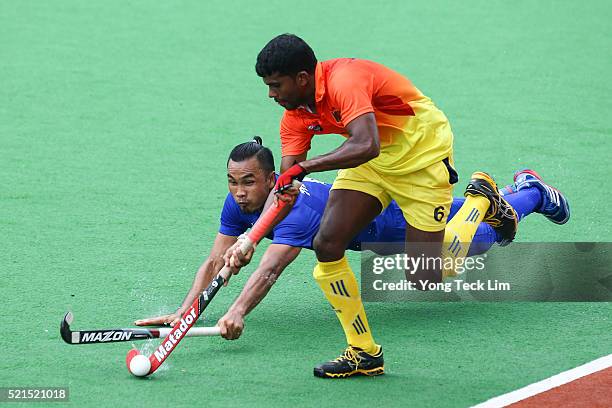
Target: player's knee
(326,248)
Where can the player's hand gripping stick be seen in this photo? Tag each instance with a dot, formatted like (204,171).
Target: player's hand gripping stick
(137,363)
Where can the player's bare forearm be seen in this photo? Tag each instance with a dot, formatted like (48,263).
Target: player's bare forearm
(274,261)
(362,146)
(209,269)
(290,160)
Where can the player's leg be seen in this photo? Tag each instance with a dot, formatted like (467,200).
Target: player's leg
(447,245)
(426,245)
(461,229)
(527,200)
(425,198)
(553,204)
(468,226)
(484,237)
(481,194)
(524,203)
(528,195)
(347,212)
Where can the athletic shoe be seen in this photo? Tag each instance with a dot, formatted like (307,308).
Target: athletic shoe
(500,215)
(353,361)
(554,206)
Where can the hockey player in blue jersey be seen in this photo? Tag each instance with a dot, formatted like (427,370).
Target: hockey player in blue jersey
(251,179)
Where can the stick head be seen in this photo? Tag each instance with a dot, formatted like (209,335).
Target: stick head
(65,331)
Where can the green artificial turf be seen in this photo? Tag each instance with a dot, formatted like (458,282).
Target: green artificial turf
(116,119)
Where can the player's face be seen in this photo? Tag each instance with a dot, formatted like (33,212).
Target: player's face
(249,184)
(288,91)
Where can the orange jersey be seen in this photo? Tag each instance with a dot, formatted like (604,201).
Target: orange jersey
(345,89)
(413,132)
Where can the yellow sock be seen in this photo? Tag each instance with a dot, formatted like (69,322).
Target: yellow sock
(338,283)
(460,230)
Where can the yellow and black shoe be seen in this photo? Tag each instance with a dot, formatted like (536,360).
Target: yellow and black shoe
(353,361)
(500,215)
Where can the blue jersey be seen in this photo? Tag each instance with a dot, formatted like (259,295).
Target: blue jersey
(302,223)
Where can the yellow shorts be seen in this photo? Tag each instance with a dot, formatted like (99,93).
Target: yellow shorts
(425,196)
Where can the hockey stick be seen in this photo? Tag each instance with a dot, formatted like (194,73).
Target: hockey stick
(128,334)
(261,227)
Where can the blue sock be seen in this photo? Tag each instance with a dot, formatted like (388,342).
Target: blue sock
(525,201)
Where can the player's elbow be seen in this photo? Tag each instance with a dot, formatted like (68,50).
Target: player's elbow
(373,151)
(369,151)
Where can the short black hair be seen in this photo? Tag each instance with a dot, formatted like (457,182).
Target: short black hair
(286,54)
(254,148)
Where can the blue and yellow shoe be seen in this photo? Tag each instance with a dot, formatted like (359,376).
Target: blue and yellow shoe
(353,361)
(554,205)
(500,215)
